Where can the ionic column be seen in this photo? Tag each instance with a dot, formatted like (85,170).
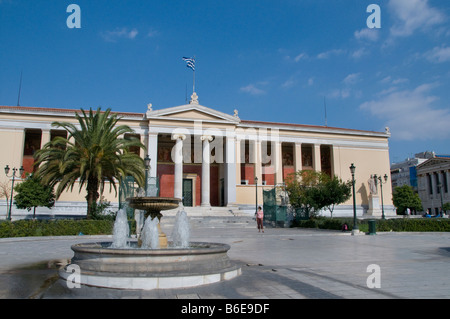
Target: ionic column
(178,160)
(45,138)
(277,156)
(206,170)
(298,157)
(316,158)
(152,148)
(230,166)
(257,159)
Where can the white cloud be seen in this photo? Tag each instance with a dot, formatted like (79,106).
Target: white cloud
(288,83)
(411,114)
(438,55)
(119,33)
(340,93)
(301,56)
(252,90)
(367,34)
(328,54)
(412,15)
(352,78)
(359,53)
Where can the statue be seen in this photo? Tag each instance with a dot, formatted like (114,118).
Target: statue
(372,186)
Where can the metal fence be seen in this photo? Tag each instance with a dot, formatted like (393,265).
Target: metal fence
(277,210)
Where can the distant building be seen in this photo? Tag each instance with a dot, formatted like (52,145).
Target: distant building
(433,178)
(404,173)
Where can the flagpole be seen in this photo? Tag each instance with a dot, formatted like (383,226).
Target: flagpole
(193,87)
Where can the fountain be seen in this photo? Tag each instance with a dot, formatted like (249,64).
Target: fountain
(151,262)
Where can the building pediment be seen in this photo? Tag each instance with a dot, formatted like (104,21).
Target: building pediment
(192,112)
(434,163)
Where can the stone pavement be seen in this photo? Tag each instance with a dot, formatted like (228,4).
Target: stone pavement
(280,263)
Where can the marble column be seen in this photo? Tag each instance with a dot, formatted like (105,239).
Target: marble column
(206,170)
(178,160)
(230,172)
(152,148)
(45,138)
(316,158)
(277,157)
(298,166)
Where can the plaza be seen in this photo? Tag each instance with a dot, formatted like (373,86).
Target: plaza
(282,263)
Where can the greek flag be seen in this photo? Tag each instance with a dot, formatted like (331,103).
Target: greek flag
(190,63)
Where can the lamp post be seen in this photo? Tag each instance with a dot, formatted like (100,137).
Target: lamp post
(256,183)
(355,226)
(13,175)
(147,167)
(376,179)
(439,185)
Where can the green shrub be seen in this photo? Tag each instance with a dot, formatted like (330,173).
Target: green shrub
(397,224)
(60,227)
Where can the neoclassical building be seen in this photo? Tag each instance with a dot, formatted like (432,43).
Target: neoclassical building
(434,183)
(210,158)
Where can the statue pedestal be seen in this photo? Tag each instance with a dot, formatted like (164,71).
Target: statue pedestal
(374,206)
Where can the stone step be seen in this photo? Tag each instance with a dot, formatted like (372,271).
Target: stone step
(212,221)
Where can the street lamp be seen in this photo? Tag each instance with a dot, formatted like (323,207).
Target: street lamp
(147,167)
(355,226)
(439,185)
(13,175)
(376,179)
(256,183)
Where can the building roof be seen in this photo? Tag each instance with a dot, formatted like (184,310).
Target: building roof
(251,123)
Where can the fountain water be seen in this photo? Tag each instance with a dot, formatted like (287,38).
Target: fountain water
(152,262)
(150,234)
(181,231)
(121,230)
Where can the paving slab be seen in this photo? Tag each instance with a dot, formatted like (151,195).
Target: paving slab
(286,263)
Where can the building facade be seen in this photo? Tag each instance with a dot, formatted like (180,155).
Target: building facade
(404,173)
(210,158)
(434,183)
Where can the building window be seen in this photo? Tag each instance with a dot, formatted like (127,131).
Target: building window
(134,149)
(325,159)
(307,157)
(32,141)
(445,182)
(57,133)
(436,176)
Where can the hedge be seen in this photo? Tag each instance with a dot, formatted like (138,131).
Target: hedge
(396,224)
(60,227)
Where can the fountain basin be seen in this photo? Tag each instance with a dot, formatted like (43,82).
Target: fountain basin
(153,205)
(135,268)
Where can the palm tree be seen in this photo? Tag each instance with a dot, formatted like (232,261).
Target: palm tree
(93,154)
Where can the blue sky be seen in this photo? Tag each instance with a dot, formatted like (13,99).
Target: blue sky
(272,60)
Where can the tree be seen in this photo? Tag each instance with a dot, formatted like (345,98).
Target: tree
(5,191)
(404,197)
(31,193)
(92,155)
(334,192)
(303,190)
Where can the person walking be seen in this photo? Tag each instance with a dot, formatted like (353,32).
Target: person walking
(259,219)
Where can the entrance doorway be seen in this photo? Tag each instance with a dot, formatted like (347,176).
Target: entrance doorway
(187,192)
